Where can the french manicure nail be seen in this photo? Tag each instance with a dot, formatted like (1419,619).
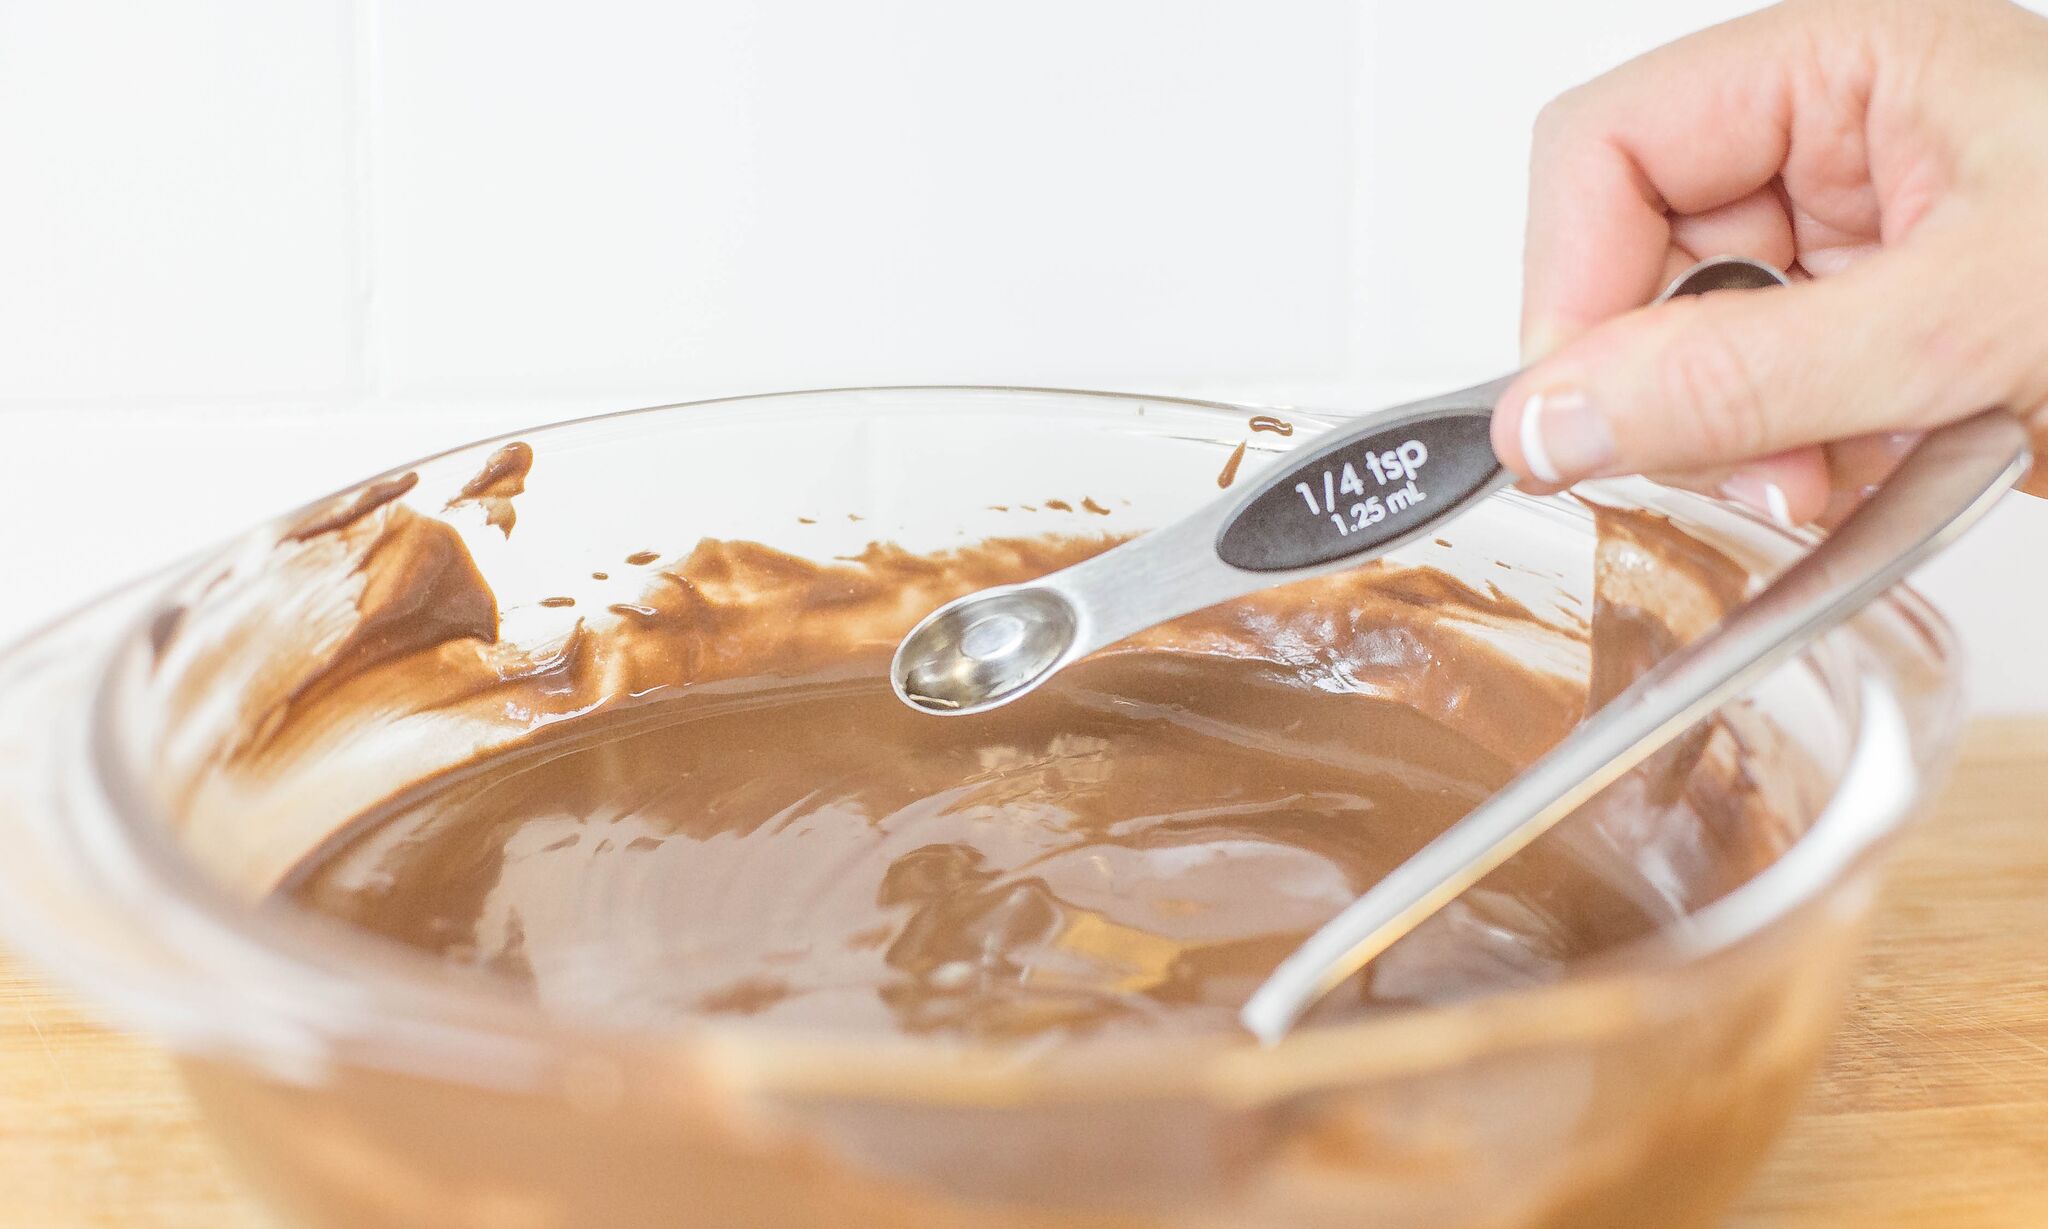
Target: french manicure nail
(1761,494)
(1563,437)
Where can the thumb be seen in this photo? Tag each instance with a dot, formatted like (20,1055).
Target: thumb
(1719,379)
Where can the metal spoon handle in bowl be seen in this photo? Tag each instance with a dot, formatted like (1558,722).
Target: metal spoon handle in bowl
(1942,488)
(1364,490)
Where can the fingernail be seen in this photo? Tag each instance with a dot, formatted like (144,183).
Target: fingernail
(1764,496)
(1563,437)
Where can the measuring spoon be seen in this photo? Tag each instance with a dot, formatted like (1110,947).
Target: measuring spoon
(1354,495)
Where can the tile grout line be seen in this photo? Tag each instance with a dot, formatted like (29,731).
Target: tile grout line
(365,96)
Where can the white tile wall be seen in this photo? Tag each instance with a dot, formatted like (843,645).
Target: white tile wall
(178,206)
(225,222)
(734,195)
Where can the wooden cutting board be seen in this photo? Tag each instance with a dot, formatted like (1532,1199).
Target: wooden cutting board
(1932,1110)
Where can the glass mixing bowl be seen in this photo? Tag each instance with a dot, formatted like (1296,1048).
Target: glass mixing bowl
(361,1086)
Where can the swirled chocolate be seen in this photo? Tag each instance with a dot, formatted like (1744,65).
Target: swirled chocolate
(730,815)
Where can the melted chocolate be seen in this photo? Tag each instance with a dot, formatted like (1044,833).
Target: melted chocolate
(702,802)
(1228,474)
(502,478)
(1136,846)
(346,509)
(739,819)
(419,591)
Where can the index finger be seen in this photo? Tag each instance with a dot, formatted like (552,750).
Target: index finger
(1690,127)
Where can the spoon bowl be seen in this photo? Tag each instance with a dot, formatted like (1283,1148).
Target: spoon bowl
(984,650)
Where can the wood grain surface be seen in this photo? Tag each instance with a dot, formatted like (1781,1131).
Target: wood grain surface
(1932,1109)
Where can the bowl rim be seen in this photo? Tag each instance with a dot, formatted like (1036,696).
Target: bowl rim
(388,1014)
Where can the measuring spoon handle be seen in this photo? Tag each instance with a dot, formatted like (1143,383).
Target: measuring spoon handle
(1366,489)
(1370,489)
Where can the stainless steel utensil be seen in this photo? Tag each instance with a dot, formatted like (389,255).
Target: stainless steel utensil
(1350,497)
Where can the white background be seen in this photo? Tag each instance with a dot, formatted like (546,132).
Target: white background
(251,251)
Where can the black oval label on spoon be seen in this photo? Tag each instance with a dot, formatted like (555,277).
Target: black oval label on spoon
(1357,495)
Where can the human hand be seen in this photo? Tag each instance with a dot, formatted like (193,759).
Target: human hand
(1894,153)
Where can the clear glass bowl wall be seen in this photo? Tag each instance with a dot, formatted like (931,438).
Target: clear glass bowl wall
(360,1088)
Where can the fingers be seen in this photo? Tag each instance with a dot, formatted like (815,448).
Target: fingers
(1790,488)
(1755,226)
(1689,129)
(1722,379)
(1889,150)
